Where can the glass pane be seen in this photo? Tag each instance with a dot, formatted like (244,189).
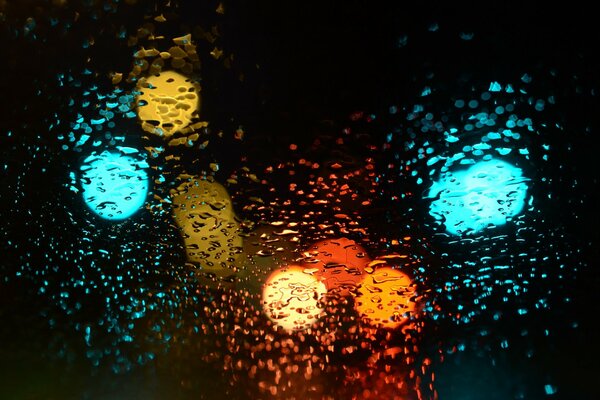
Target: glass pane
(335,200)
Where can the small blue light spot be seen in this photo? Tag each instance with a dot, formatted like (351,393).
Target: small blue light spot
(402,41)
(549,389)
(526,78)
(495,87)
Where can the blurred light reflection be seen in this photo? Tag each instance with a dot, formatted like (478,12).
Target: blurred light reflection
(204,212)
(114,185)
(167,102)
(487,194)
(386,298)
(291,298)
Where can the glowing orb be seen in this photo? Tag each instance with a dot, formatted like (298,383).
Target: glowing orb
(291,298)
(487,194)
(340,263)
(204,212)
(385,298)
(167,102)
(114,185)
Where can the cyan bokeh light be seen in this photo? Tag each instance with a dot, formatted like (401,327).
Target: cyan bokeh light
(489,193)
(115,185)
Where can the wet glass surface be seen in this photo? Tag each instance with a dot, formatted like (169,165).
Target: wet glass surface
(213,200)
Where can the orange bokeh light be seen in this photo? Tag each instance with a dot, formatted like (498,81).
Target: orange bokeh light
(386,298)
(339,263)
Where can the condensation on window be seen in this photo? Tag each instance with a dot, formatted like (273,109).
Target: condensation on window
(424,247)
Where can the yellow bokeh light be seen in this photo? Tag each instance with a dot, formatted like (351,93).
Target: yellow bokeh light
(204,212)
(386,298)
(167,102)
(291,298)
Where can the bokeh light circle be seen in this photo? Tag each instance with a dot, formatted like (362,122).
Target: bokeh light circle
(204,212)
(167,102)
(386,298)
(291,298)
(339,263)
(487,194)
(114,185)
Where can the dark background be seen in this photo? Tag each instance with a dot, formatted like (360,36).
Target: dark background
(307,66)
